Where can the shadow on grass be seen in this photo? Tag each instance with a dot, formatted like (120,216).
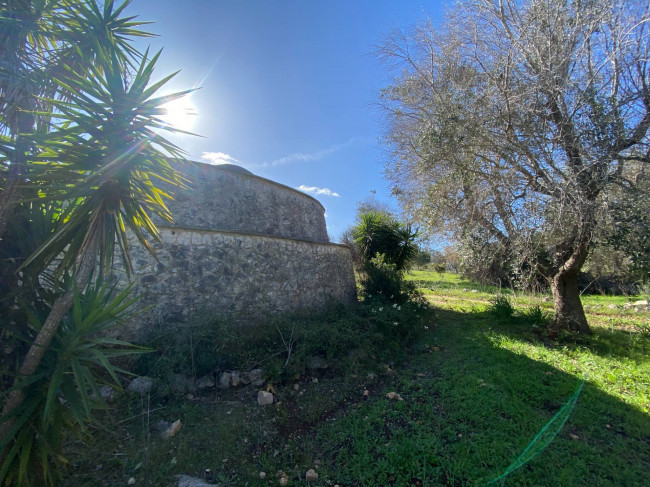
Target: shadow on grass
(472,403)
(471,406)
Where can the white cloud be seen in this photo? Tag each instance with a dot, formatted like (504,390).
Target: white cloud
(218,158)
(318,191)
(223,158)
(317,155)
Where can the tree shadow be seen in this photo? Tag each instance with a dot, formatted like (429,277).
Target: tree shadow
(487,381)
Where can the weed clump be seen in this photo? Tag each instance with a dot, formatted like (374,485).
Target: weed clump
(536,316)
(346,338)
(501,307)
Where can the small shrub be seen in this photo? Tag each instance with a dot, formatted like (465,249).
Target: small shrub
(65,391)
(536,316)
(501,307)
(345,337)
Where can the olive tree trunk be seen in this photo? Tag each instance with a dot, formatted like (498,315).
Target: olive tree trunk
(569,313)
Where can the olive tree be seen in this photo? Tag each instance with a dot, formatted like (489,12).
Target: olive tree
(513,120)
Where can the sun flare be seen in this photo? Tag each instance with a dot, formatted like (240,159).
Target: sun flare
(181,113)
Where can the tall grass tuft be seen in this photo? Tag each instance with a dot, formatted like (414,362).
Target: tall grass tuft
(501,307)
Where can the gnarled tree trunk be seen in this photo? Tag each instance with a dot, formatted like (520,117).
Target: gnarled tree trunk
(569,313)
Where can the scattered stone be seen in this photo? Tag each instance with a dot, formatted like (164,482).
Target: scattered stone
(264,398)
(224,380)
(315,363)
(311,475)
(366,392)
(140,385)
(642,302)
(262,475)
(257,377)
(546,299)
(172,430)
(315,380)
(296,386)
(235,379)
(187,481)
(245,378)
(107,393)
(612,306)
(205,382)
(283,478)
(131,481)
(371,376)
(394,396)
(474,291)
(256,374)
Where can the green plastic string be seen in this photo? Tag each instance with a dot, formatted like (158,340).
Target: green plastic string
(544,438)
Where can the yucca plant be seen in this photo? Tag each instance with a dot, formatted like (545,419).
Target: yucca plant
(65,389)
(378,233)
(90,147)
(387,247)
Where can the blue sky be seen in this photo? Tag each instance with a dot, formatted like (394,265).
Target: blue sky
(287,88)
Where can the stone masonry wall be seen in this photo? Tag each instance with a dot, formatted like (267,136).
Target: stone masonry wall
(240,247)
(234,275)
(233,200)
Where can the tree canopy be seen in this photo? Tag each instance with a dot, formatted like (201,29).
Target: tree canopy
(512,122)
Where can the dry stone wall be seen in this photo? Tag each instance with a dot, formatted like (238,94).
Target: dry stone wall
(242,248)
(230,199)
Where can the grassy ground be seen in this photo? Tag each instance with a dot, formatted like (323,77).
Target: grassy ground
(476,389)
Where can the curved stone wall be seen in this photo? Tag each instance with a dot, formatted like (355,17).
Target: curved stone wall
(231,199)
(241,247)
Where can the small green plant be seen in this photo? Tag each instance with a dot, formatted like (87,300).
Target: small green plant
(66,388)
(536,316)
(501,307)
(342,336)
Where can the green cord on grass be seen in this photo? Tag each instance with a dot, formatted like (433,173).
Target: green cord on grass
(544,438)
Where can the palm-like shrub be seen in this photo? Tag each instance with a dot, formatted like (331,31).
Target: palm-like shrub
(387,247)
(80,153)
(378,233)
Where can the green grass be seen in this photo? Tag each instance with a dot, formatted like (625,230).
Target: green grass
(477,388)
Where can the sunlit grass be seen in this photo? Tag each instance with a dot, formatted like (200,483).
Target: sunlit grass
(476,390)
(627,378)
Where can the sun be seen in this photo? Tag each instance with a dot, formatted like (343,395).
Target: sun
(181,113)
